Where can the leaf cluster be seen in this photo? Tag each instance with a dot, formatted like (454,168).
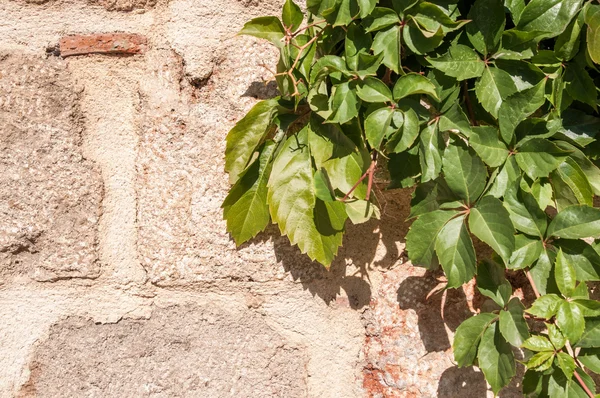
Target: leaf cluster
(489,110)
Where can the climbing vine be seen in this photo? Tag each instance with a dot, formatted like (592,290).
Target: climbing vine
(488,109)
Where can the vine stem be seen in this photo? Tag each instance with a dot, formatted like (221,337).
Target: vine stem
(370,171)
(579,379)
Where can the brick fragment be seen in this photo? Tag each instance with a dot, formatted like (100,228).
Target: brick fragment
(102,43)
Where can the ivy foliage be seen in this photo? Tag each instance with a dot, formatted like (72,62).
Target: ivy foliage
(489,109)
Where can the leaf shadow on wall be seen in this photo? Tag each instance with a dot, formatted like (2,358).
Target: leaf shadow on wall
(368,246)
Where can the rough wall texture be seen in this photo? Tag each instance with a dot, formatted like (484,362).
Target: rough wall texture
(117,278)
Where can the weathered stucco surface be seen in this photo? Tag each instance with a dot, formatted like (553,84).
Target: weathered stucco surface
(117,278)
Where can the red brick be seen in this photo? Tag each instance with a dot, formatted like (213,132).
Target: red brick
(102,43)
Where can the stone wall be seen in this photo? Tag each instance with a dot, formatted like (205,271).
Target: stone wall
(117,278)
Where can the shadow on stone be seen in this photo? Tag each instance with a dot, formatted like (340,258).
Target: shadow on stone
(262,90)
(462,383)
(412,294)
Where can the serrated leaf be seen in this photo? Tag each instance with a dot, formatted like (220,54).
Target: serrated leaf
(467,338)
(538,344)
(488,146)
(245,207)
(430,152)
(512,323)
(556,337)
(518,107)
(550,16)
(456,253)
(325,66)
(456,120)
(538,157)
(590,358)
(378,125)
(570,185)
(406,136)
(517,44)
(344,103)
(591,335)
(494,86)
(516,8)
(576,222)
(583,257)
(541,272)
(564,274)
(496,359)
(509,173)
(293,205)
(291,15)
(566,363)
(589,308)
(579,127)
(567,43)
(419,40)
(413,83)
(485,30)
(592,19)
(460,62)
(361,211)
(545,306)
(527,252)
(380,18)
(357,44)
(244,137)
(387,42)
(580,85)
(269,28)
(322,185)
(464,172)
(525,212)
(569,319)
(422,236)
(366,7)
(492,283)
(346,10)
(431,18)
(374,90)
(540,361)
(490,222)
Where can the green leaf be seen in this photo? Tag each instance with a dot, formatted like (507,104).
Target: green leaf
(490,222)
(592,19)
(576,222)
(387,42)
(570,185)
(540,361)
(432,18)
(538,344)
(488,146)
(361,211)
(380,18)
(344,103)
(496,359)
(525,212)
(464,172)
(413,83)
(430,152)
(419,40)
(589,308)
(567,44)
(357,44)
(579,127)
(347,9)
(291,15)
(564,274)
(507,176)
(455,119)
(374,90)
(467,338)
(538,157)
(516,8)
(494,86)
(550,16)
(307,221)
(590,358)
(245,207)
(541,272)
(569,319)
(327,65)
(268,28)
(422,236)
(591,335)
(556,337)
(492,283)
(378,125)
(517,44)
(512,323)
(583,257)
(518,107)
(322,185)
(527,251)
(244,137)
(566,363)
(456,253)
(580,85)
(460,62)
(366,7)
(545,306)
(406,136)
(485,30)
